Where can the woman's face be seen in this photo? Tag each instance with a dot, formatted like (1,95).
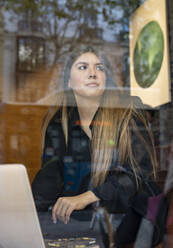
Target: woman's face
(87,76)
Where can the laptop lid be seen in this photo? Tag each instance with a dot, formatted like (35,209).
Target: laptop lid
(19,224)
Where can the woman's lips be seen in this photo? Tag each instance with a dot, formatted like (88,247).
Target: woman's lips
(93,84)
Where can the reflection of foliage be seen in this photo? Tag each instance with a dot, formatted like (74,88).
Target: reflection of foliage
(66,22)
(148,54)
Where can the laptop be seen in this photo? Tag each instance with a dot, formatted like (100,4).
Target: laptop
(19,223)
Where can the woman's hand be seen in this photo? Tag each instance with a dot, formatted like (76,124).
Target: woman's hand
(66,205)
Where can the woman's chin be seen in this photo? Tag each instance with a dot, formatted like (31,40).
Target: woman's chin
(90,93)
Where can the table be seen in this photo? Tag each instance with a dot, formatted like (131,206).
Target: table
(78,226)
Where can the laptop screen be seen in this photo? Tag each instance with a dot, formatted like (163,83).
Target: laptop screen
(18,217)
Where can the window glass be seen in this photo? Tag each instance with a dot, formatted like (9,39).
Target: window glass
(86,90)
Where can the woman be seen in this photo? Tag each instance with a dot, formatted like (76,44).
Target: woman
(98,136)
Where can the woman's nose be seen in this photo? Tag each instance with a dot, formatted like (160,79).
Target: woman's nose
(92,72)
(92,76)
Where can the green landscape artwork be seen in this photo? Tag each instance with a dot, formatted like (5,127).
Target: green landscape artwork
(148,54)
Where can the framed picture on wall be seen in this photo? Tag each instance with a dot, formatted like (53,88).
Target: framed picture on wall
(149,54)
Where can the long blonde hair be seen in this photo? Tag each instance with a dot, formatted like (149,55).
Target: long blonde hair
(113,138)
(112,129)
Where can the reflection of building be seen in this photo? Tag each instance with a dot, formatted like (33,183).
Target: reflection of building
(30,58)
(23,56)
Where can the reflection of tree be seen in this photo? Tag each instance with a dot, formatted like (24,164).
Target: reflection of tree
(49,29)
(65,23)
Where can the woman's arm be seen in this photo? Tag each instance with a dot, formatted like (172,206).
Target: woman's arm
(66,205)
(47,185)
(115,193)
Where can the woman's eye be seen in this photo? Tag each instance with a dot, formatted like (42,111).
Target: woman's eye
(82,67)
(100,68)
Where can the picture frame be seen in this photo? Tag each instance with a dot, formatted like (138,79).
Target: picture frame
(149,54)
